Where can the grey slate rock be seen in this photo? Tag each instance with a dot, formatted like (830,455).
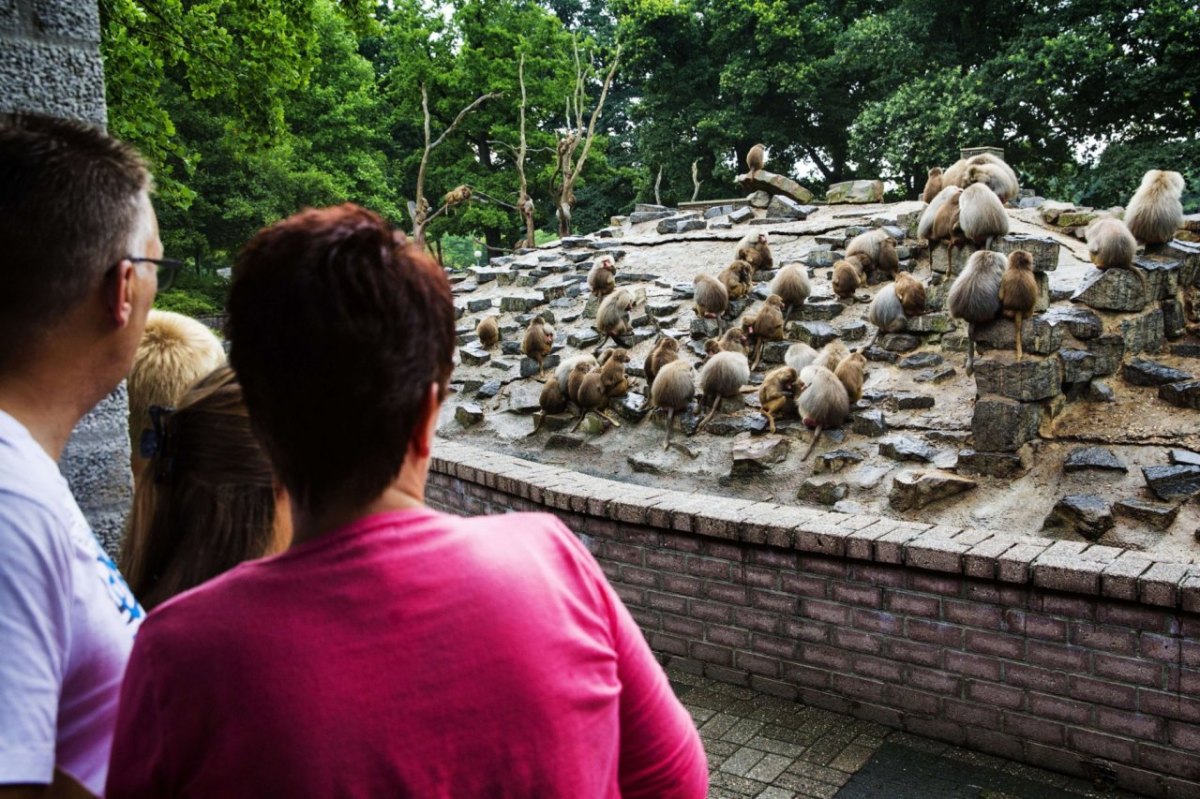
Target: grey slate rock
(836,460)
(1001,424)
(1027,380)
(922,360)
(1078,366)
(992,464)
(1082,323)
(1086,514)
(869,423)
(1111,290)
(916,490)
(1100,392)
(1159,515)
(880,355)
(1144,333)
(638,217)
(815,334)
(909,401)
(743,214)
(529,367)
(1083,458)
(1172,483)
(488,390)
(1144,372)
(468,414)
(757,455)
(853,331)
(632,407)
(1184,457)
(899,342)
(907,449)
(1185,394)
(788,209)
(474,355)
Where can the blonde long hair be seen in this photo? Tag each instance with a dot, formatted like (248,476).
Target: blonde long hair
(205,500)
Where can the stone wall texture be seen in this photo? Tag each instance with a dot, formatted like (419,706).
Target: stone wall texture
(1079,658)
(50,64)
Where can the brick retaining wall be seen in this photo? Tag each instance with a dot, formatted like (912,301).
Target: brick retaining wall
(1080,658)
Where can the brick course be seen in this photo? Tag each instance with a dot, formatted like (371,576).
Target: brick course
(1042,652)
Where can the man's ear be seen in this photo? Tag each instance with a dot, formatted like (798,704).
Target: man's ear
(421,442)
(119,287)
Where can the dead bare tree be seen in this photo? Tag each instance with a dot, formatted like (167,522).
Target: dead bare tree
(657,186)
(418,208)
(696,181)
(524,201)
(568,167)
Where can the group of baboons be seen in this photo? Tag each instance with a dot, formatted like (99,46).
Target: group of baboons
(965,204)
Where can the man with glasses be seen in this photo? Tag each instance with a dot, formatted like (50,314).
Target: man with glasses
(80,259)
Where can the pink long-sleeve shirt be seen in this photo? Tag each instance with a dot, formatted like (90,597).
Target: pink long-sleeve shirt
(408,654)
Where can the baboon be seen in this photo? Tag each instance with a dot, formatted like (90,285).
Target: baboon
(832,354)
(457,196)
(848,277)
(672,390)
(799,355)
(823,403)
(723,375)
(776,393)
(602,280)
(552,400)
(981,215)
(612,319)
(933,184)
(766,325)
(1018,291)
(984,168)
(929,215)
(711,298)
(879,249)
(1155,212)
(792,284)
(911,293)
(733,340)
(975,295)
(538,341)
(756,159)
(593,399)
(737,279)
(666,350)
(1112,246)
(578,372)
(488,331)
(563,373)
(850,372)
(886,312)
(754,249)
(612,371)
(174,352)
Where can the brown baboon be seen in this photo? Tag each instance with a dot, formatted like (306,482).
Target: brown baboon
(580,370)
(551,400)
(879,249)
(766,325)
(612,371)
(848,277)
(711,298)
(563,373)
(933,184)
(488,331)
(754,249)
(733,340)
(612,319)
(929,215)
(832,354)
(981,215)
(602,280)
(592,398)
(850,372)
(1112,246)
(776,393)
(538,341)
(666,350)
(457,196)
(799,355)
(723,375)
(823,403)
(792,284)
(886,311)
(738,279)
(672,390)
(1155,212)
(1018,291)
(756,159)
(975,295)
(911,294)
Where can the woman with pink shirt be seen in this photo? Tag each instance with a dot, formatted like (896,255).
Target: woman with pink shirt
(392,650)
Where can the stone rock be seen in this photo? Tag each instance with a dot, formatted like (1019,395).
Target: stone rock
(474,306)
(1081,323)
(1186,350)
(814,334)
(1109,349)
(1001,424)
(680,291)
(705,328)
(631,406)
(1159,515)
(820,311)
(575,241)
(1044,249)
(1086,514)
(1144,372)
(869,423)
(771,183)
(1174,320)
(1144,333)
(759,199)
(774,351)
(853,331)
(914,490)
(554,422)
(649,208)
(936,375)
(681,224)
(610,233)
(1052,209)
(529,367)
(899,342)
(661,309)
(734,424)
(1083,458)
(819,258)
(1100,392)
(522,303)
(1111,290)
(1185,394)
(1171,483)
(489,389)
(992,464)
(524,398)
(1037,335)
(743,214)
(574,440)
(468,414)
(1078,366)
(718,210)
(753,456)
(720,226)
(474,355)
(940,259)
(578,257)
(638,217)
(822,491)
(1162,275)
(922,360)
(510,347)
(880,355)
(855,191)
(930,323)
(654,462)
(907,449)
(836,460)
(1031,202)
(1027,380)
(909,401)
(1183,457)
(468,386)
(787,208)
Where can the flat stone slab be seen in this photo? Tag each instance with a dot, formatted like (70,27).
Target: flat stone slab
(905,448)
(1172,483)
(771,183)
(822,491)
(992,464)
(468,414)
(814,334)
(756,455)
(855,191)
(836,460)
(1144,372)
(1086,514)
(1028,380)
(922,360)
(1159,515)
(1185,394)
(915,490)
(1085,458)
(1111,290)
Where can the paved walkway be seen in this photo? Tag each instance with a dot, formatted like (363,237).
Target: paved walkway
(771,748)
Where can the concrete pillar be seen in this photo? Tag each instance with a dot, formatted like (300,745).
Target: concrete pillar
(50,64)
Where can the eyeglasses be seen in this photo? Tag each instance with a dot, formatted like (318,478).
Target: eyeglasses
(168,268)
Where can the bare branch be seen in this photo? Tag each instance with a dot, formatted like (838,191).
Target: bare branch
(475,104)
(591,131)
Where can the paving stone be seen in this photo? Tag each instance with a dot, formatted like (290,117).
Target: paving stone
(922,360)
(1087,514)
(918,489)
(1170,483)
(753,456)
(905,448)
(1083,458)
(1159,515)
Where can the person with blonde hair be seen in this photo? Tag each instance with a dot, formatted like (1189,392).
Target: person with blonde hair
(206,500)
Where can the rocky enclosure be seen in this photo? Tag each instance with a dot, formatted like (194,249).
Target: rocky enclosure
(1093,435)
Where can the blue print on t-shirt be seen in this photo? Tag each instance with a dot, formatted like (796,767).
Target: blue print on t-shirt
(118,589)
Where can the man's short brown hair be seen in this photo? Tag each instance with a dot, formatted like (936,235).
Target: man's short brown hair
(69,208)
(338,328)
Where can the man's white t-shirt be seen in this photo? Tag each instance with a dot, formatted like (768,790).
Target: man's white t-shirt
(67,622)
